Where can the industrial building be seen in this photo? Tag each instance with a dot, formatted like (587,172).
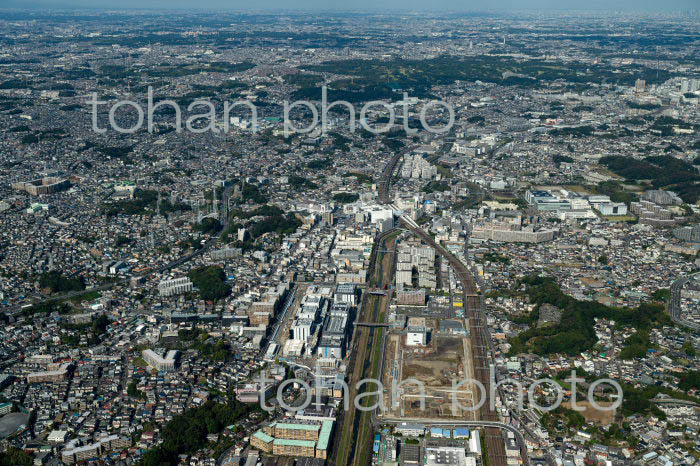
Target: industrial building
(445,456)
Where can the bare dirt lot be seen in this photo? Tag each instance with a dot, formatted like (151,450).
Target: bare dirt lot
(436,366)
(594,415)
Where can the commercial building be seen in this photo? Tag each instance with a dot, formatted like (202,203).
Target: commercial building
(475,443)
(250,392)
(613,208)
(301,329)
(346,293)
(57,436)
(334,332)
(411,297)
(416,336)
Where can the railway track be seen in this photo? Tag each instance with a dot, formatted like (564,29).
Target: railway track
(348,436)
(385,183)
(481,341)
(481,345)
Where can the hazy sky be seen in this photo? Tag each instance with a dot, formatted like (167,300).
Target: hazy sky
(453,5)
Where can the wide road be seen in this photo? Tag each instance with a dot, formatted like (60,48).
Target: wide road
(675,304)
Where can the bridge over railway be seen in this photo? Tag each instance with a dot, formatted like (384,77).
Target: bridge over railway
(370,324)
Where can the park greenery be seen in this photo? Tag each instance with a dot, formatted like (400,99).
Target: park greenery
(145,201)
(320,164)
(208,225)
(616,192)
(56,282)
(361,177)
(493,257)
(208,347)
(133,391)
(419,76)
(435,186)
(558,159)
(15,457)
(575,332)
(210,281)
(661,171)
(636,346)
(301,183)
(92,330)
(345,198)
(273,219)
(251,192)
(689,380)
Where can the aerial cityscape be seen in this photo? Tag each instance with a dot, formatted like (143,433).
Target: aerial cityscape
(349,238)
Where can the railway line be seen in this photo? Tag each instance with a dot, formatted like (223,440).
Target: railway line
(350,436)
(482,345)
(674,305)
(354,423)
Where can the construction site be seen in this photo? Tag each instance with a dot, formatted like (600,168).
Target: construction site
(442,362)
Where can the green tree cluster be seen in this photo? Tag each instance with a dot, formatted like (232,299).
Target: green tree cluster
(188,432)
(345,198)
(575,332)
(15,457)
(58,283)
(211,282)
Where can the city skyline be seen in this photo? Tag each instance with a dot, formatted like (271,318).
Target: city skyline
(386,5)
